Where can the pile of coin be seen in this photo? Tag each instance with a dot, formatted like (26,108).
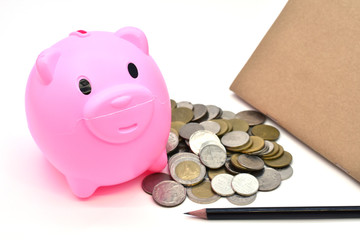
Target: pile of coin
(214,153)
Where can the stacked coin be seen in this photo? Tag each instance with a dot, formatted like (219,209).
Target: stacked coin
(214,153)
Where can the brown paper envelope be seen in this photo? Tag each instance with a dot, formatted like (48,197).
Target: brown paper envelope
(305,75)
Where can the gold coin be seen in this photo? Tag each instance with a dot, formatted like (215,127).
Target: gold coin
(203,190)
(266,132)
(239,149)
(229,125)
(202,193)
(277,155)
(187,171)
(213,172)
(274,151)
(257,144)
(239,125)
(181,114)
(235,163)
(177,125)
(283,161)
(223,126)
(173,104)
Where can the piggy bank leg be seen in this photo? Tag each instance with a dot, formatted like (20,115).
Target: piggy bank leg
(160,163)
(81,188)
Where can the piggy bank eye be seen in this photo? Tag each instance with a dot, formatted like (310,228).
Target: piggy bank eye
(133,70)
(85,86)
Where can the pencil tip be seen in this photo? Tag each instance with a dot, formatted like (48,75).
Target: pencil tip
(187,213)
(198,213)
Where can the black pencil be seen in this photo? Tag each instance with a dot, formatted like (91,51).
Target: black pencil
(323,212)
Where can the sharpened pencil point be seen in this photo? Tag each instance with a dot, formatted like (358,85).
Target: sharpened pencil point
(199,213)
(187,213)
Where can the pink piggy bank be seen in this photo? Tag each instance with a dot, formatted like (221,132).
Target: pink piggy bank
(98,108)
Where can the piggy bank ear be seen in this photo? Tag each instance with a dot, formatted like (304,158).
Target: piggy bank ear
(46,64)
(135,36)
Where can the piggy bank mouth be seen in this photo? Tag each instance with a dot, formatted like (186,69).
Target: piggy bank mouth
(128,129)
(120,119)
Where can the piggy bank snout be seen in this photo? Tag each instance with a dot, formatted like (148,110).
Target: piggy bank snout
(121,102)
(119,114)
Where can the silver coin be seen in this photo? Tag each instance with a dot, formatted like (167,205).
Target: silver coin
(249,131)
(251,117)
(172,143)
(185,104)
(169,193)
(211,126)
(213,142)
(200,111)
(227,115)
(253,163)
(212,156)
(269,179)
(270,147)
(204,196)
(213,112)
(187,171)
(235,139)
(221,184)
(285,172)
(260,152)
(245,184)
(230,168)
(151,180)
(220,113)
(199,137)
(241,200)
(188,129)
(182,155)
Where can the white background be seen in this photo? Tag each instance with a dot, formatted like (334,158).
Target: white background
(200,46)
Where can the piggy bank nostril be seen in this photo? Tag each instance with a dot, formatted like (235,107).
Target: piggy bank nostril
(121,102)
